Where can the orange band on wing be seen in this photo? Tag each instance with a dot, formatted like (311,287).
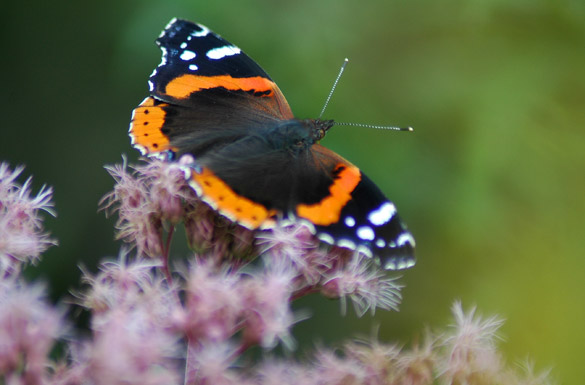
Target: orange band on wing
(146,126)
(236,207)
(328,210)
(183,86)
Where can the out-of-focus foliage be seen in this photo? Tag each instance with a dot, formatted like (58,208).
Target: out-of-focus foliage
(492,181)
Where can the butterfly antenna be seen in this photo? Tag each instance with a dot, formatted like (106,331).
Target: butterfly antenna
(355,124)
(334,86)
(374,126)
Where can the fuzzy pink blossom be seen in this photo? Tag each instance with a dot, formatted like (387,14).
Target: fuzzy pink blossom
(22,238)
(334,368)
(29,327)
(212,364)
(132,349)
(138,222)
(296,243)
(472,354)
(267,304)
(125,284)
(133,308)
(281,372)
(377,358)
(208,233)
(415,366)
(365,284)
(167,188)
(213,305)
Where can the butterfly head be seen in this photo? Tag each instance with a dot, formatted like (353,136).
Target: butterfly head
(318,128)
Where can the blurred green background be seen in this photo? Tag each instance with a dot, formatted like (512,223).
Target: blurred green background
(491,182)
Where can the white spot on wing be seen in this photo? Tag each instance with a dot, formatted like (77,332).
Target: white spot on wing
(173,20)
(365,250)
(142,149)
(204,31)
(183,45)
(347,244)
(399,264)
(366,233)
(405,238)
(349,221)
(187,55)
(221,52)
(380,243)
(382,214)
(326,238)
(164,56)
(193,67)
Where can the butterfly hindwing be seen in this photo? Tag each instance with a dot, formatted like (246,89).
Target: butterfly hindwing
(357,215)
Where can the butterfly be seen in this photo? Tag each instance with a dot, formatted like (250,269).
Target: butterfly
(252,160)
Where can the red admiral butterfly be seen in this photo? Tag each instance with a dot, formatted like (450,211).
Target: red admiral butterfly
(253,161)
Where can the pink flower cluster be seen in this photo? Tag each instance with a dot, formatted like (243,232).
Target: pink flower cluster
(155,196)
(22,239)
(193,324)
(29,327)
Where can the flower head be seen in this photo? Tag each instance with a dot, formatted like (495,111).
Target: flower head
(132,349)
(214,303)
(334,368)
(29,326)
(367,285)
(472,354)
(128,285)
(297,244)
(138,221)
(273,372)
(167,188)
(132,307)
(212,364)
(211,234)
(267,297)
(22,238)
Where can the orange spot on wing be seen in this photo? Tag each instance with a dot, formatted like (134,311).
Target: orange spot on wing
(146,126)
(183,86)
(328,210)
(236,207)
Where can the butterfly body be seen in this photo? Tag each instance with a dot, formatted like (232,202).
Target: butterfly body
(255,162)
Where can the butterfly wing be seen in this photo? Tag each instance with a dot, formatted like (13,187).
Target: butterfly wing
(356,214)
(255,182)
(204,83)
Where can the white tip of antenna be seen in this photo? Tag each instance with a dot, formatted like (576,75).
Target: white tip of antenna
(409,129)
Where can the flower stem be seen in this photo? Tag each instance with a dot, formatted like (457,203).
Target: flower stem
(166,252)
(303,292)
